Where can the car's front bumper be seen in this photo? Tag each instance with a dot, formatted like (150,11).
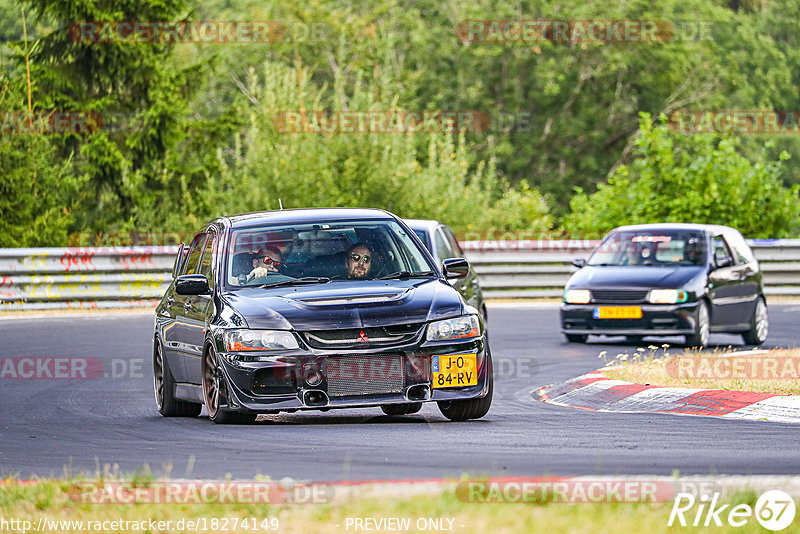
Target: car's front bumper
(287,389)
(656,320)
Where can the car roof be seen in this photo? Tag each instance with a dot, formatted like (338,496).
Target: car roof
(422,224)
(711,228)
(304,215)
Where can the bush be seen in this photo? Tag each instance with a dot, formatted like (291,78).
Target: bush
(689,178)
(431,176)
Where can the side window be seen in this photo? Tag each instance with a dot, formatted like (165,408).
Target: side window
(422,237)
(720,249)
(740,249)
(451,238)
(441,246)
(195,249)
(207,259)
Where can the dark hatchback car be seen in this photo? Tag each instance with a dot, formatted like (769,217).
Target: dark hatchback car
(316,309)
(666,280)
(441,242)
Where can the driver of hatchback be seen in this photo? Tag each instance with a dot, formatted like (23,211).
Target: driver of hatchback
(265,261)
(693,252)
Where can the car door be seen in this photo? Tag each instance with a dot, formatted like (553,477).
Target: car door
(729,294)
(445,251)
(750,282)
(198,309)
(471,288)
(176,334)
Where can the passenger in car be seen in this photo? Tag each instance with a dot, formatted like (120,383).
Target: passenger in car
(266,260)
(632,256)
(693,252)
(358,261)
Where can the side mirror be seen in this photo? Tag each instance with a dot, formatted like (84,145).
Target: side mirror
(183,250)
(192,284)
(724,262)
(455,268)
(579,262)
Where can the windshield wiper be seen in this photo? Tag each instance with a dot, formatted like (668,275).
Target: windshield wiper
(303,280)
(405,274)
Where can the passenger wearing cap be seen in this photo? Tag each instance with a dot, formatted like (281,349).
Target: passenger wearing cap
(265,261)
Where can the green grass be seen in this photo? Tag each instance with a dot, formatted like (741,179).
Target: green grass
(651,368)
(50,499)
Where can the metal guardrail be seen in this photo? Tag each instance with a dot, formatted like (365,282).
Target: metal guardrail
(52,278)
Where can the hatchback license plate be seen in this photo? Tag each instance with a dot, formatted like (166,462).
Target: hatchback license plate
(618,312)
(455,370)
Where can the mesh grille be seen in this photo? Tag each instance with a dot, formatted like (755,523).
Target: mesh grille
(365,375)
(628,296)
(361,337)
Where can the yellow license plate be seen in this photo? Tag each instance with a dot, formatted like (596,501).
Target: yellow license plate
(618,312)
(455,370)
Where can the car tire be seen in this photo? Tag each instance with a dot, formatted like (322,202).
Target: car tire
(576,338)
(702,328)
(759,326)
(462,410)
(164,389)
(401,409)
(212,393)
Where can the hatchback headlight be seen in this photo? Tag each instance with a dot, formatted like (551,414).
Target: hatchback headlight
(577,296)
(668,296)
(241,340)
(465,327)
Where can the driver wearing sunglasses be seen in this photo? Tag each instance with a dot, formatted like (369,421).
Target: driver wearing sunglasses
(266,260)
(358,261)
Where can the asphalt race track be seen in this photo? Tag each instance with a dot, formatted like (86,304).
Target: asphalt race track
(58,426)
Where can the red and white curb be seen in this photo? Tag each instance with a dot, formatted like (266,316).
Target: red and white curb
(594,391)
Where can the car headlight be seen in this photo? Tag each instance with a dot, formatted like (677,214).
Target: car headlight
(241,340)
(577,296)
(668,296)
(465,327)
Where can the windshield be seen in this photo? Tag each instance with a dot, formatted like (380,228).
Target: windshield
(322,252)
(651,248)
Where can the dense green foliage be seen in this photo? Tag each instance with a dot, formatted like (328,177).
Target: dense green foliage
(700,178)
(189,129)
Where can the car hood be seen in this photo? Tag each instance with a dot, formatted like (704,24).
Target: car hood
(634,276)
(347,304)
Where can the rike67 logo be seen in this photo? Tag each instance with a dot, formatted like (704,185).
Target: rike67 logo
(774,510)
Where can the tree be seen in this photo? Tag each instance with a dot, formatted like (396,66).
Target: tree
(690,178)
(116,78)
